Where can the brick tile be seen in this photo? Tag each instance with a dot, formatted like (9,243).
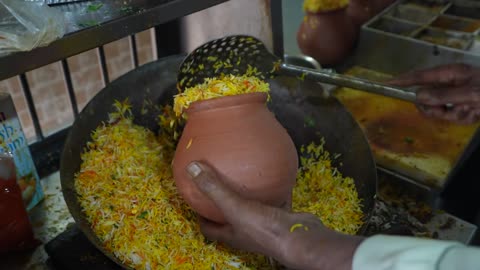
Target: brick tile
(13,86)
(52,104)
(85,59)
(45,74)
(118,58)
(145,47)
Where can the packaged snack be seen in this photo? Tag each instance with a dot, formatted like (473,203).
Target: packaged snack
(16,232)
(12,140)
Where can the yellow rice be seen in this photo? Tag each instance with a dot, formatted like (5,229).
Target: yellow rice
(126,189)
(227,85)
(323,5)
(322,190)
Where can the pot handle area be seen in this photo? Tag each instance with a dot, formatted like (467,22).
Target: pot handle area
(331,77)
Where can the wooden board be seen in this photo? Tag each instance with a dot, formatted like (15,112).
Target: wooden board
(401,138)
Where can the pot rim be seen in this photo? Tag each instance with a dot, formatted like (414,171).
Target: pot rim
(226,101)
(335,11)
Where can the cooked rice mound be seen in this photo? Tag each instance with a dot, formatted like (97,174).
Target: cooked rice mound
(227,85)
(323,5)
(127,191)
(322,190)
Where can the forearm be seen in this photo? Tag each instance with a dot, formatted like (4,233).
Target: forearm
(333,252)
(316,248)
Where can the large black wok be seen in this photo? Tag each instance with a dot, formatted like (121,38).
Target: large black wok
(155,83)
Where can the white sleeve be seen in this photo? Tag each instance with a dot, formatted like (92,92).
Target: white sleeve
(381,252)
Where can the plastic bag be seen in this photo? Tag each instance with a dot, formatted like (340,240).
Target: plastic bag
(27,25)
(16,232)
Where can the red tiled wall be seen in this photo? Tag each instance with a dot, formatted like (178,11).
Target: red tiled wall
(49,90)
(48,85)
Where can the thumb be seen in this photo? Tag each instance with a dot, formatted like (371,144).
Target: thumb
(216,232)
(211,185)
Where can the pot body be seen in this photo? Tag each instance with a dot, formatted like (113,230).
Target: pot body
(328,37)
(360,11)
(246,145)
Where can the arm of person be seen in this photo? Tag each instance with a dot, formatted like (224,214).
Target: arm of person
(456,84)
(296,240)
(301,241)
(382,252)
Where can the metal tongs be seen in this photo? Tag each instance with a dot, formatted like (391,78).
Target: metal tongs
(240,54)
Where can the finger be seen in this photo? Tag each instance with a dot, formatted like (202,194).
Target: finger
(457,114)
(455,95)
(431,111)
(236,210)
(207,180)
(473,117)
(287,206)
(252,217)
(454,74)
(461,114)
(216,232)
(464,117)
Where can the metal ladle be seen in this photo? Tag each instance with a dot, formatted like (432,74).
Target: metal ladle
(242,54)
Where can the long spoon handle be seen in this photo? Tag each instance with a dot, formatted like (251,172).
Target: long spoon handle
(347,81)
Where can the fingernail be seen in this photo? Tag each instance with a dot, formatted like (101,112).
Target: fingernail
(194,169)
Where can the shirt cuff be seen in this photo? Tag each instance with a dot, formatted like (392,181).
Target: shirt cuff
(381,252)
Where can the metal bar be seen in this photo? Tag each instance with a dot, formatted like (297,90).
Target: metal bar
(63,2)
(68,82)
(114,25)
(277,27)
(153,38)
(133,47)
(172,44)
(31,106)
(103,65)
(46,154)
(348,81)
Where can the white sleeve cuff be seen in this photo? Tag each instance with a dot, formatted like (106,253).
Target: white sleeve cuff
(381,252)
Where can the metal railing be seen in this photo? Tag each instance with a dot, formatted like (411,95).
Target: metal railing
(162,15)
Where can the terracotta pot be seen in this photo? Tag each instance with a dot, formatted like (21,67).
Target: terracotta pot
(328,37)
(247,146)
(360,11)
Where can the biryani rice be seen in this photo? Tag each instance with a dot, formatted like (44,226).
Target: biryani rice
(226,85)
(127,192)
(315,6)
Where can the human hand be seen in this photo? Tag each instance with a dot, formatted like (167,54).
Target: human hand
(296,240)
(456,84)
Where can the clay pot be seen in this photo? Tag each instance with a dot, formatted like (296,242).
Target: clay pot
(360,11)
(328,37)
(246,145)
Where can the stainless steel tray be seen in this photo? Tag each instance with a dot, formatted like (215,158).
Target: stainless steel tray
(449,24)
(394,43)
